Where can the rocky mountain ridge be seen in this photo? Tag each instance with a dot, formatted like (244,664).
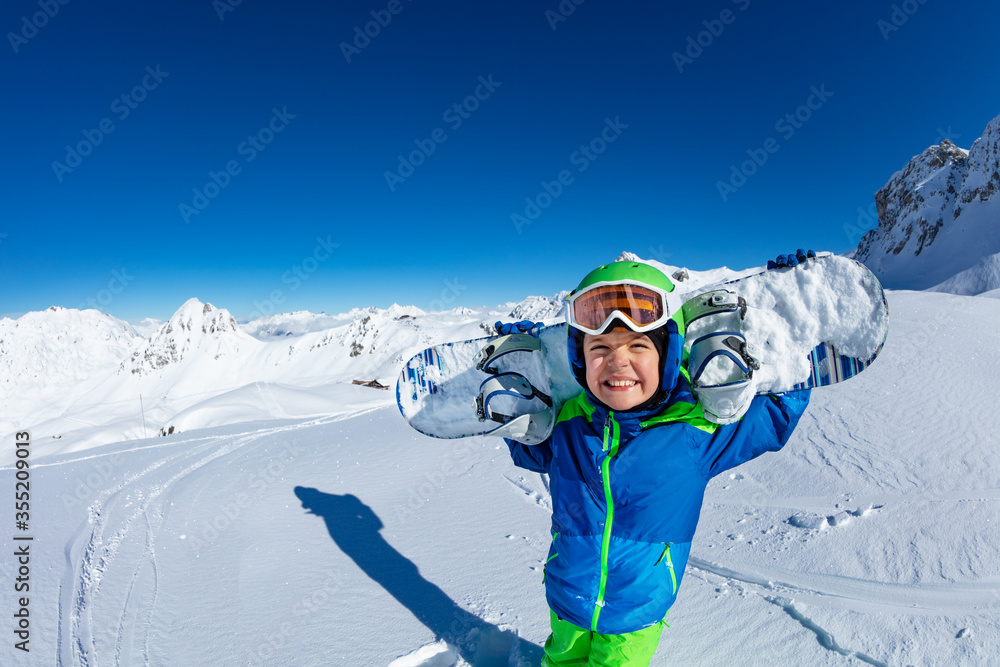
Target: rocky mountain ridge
(931,212)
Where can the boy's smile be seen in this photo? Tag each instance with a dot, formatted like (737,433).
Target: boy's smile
(623,368)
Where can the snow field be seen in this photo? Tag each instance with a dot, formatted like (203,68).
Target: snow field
(350,539)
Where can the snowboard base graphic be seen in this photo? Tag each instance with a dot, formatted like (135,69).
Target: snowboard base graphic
(813,325)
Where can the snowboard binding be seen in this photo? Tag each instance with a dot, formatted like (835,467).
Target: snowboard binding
(501,396)
(720,360)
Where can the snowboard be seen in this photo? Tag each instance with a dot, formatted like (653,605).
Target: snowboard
(812,325)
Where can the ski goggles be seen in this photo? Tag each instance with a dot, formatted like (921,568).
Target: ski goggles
(639,307)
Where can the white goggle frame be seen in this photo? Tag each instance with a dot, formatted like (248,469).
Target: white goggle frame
(671,305)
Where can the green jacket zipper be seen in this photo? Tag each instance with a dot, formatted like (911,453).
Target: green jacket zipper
(609,445)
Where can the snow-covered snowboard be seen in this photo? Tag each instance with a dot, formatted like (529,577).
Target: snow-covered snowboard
(813,325)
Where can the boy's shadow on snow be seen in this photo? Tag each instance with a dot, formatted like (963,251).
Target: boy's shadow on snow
(355,528)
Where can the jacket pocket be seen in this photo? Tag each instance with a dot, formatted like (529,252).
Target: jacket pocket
(666,560)
(553,554)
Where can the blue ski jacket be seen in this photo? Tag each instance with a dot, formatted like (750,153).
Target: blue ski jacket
(627,489)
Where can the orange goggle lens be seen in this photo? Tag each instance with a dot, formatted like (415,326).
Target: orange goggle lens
(641,305)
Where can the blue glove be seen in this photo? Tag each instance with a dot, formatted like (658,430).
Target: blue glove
(524,326)
(791,260)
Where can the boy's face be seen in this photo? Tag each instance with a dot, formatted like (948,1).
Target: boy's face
(623,368)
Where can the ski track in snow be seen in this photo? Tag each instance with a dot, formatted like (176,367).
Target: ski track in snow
(825,639)
(777,586)
(91,551)
(973,598)
(862,595)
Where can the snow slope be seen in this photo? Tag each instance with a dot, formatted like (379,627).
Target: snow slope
(982,277)
(347,538)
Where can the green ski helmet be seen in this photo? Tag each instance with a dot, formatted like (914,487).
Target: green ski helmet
(631,295)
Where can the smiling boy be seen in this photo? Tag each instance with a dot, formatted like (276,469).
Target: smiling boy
(628,463)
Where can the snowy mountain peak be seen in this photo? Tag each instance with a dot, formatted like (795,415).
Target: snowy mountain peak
(49,352)
(195,326)
(938,215)
(194,315)
(983,178)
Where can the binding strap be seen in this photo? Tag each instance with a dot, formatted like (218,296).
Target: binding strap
(730,344)
(713,303)
(527,428)
(505,345)
(506,384)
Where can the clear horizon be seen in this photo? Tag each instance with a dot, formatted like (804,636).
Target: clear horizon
(259,155)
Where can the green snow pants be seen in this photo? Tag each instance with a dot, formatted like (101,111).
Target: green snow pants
(572,645)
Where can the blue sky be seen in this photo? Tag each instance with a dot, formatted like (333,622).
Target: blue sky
(160,150)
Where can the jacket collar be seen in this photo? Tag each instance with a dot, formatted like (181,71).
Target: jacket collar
(630,422)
